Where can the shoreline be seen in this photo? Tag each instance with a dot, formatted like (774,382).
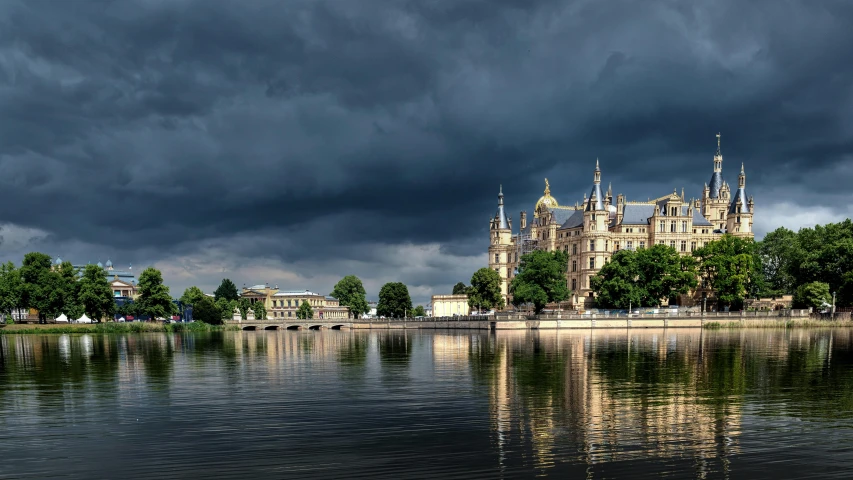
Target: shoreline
(110,327)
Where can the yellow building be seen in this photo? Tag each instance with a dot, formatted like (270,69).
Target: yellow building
(590,231)
(450,305)
(284,304)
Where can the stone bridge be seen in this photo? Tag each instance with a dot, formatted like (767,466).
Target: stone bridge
(293,324)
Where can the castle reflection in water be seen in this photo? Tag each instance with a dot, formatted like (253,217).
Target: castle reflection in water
(590,397)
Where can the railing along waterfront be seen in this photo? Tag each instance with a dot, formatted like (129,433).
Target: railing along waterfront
(797,313)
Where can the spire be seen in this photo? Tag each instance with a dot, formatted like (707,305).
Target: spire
(609,189)
(500,216)
(596,199)
(682,194)
(739,198)
(547,188)
(597,174)
(716,182)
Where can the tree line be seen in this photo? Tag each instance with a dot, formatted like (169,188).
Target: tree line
(55,290)
(394,301)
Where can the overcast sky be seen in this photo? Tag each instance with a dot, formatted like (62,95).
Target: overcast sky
(294,142)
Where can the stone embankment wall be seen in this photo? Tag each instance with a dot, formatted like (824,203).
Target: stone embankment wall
(573,321)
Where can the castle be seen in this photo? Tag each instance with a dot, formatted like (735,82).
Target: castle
(590,231)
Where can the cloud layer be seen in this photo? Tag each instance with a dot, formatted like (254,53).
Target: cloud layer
(296,142)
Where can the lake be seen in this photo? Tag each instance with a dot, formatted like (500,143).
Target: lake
(677,403)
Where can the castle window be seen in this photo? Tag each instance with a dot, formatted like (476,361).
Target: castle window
(566,248)
(592,245)
(592,262)
(574,284)
(672,227)
(606,245)
(642,244)
(738,219)
(683,227)
(574,249)
(660,242)
(574,265)
(692,246)
(694,230)
(497,258)
(616,246)
(683,245)
(672,244)
(673,211)
(662,226)
(722,214)
(630,245)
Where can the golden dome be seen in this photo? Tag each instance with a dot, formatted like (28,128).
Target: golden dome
(547,199)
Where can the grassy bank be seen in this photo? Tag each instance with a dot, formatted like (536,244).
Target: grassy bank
(111,327)
(804,323)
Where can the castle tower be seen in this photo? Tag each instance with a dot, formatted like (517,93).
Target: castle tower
(739,221)
(500,244)
(595,246)
(715,195)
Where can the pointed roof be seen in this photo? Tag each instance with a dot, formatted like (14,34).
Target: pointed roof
(500,215)
(596,199)
(740,196)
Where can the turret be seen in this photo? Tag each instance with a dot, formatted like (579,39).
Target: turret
(522,220)
(739,218)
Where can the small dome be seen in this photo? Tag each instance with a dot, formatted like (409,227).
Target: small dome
(58,261)
(100,264)
(109,263)
(547,199)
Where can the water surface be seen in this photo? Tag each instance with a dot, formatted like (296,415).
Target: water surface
(409,404)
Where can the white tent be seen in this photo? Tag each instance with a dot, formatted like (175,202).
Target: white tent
(62,319)
(84,319)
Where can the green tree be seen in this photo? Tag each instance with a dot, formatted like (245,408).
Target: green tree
(665,274)
(460,289)
(304,311)
(260,310)
(775,253)
(728,265)
(350,292)
(419,311)
(226,308)
(192,296)
(394,300)
(11,288)
(65,298)
(154,299)
(485,290)
(812,295)
(204,310)
(94,294)
(39,284)
(126,309)
(645,277)
(541,279)
(226,290)
(617,283)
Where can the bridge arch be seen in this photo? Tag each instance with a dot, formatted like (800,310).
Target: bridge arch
(336,327)
(294,327)
(315,327)
(250,328)
(271,327)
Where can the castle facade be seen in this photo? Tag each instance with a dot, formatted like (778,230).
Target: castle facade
(592,230)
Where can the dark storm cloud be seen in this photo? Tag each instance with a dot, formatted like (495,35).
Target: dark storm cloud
(317,128)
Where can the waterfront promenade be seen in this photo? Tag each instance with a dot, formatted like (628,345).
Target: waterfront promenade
(551,321)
